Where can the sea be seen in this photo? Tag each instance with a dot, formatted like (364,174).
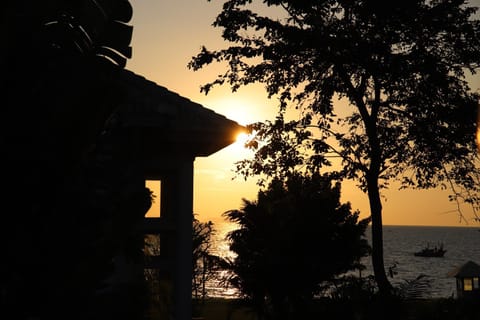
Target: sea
(400,243)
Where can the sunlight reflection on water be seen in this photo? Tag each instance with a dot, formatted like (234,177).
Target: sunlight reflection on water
(215,288)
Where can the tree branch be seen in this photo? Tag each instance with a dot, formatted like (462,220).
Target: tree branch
(358,162)
(457,196)
(376,100)
(353,93)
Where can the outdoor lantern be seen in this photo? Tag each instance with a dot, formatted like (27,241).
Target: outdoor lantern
(468,280)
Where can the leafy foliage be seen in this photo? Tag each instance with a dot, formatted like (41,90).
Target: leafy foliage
(351,288)
(296,236)
(407,87)
(96,28)
(417,288)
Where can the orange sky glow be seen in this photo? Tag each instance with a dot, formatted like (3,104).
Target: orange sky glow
(166,35)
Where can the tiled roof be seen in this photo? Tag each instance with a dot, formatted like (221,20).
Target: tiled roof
(173,120)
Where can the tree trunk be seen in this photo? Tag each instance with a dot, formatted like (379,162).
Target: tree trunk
(384,285)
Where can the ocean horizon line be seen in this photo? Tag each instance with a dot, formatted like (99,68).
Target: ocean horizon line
(432,226)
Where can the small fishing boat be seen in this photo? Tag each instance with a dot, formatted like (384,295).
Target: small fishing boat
(436,251)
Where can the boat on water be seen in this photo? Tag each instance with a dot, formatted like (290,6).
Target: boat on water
(436,251)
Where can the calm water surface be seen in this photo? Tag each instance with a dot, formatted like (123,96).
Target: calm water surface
(400,243)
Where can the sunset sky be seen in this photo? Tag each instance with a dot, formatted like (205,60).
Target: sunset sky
(167,33)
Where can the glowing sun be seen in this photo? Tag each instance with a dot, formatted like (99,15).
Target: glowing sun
(239,145)
(241,138)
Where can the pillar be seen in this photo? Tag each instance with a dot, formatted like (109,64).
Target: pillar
(178,189)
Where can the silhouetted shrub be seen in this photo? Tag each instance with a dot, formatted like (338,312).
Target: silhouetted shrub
(296,236)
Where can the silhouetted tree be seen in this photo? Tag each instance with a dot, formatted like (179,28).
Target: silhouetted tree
(206,265)
(379,84)
(295,237)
